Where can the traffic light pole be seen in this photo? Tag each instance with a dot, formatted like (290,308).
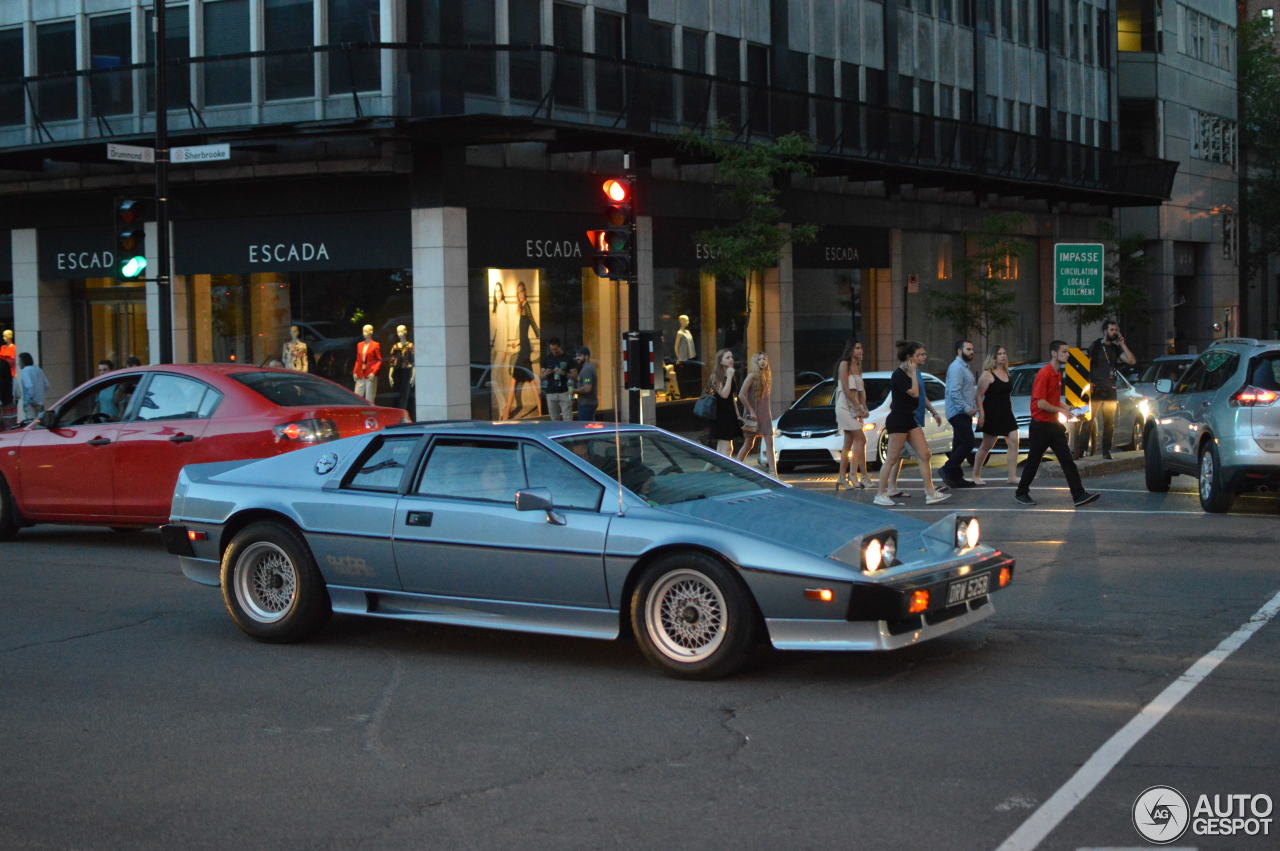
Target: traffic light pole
(633,293)
(163,293)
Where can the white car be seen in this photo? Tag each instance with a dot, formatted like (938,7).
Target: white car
(806,432)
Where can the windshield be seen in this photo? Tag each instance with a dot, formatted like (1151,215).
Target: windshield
(297,389)
(663,470)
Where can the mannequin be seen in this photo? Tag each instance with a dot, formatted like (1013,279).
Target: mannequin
(9,352)
(401,366)
(9,364)
(685,349)
(368,362)
(522,369)
(296,355)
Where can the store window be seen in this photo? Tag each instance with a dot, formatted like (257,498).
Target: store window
(226,31)
(110,87)
(288,24)
(177,47)
(111,323)
(830,306)
(12,108)
(56,51)
(354,68)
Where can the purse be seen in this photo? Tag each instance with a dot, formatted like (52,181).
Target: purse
(705,407)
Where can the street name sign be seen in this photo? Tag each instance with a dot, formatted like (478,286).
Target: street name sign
(130,153)
(200,153)
(1077,272)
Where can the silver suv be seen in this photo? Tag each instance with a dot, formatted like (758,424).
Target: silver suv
(1219,421)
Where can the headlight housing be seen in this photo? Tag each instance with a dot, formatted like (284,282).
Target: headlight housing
(879,551)
(968,532)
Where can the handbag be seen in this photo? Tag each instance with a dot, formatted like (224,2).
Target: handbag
(705,407)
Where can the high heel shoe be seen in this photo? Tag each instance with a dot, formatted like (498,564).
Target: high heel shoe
(845,482)
(860,483)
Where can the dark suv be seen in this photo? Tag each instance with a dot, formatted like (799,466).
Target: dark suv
(1219,421)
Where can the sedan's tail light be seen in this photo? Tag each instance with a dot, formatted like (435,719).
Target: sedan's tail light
(1254,397)
(306,431)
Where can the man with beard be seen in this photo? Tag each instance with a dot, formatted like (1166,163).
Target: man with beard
(1106,353)
(962,404)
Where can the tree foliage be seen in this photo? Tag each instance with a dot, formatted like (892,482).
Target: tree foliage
(1258,69)
(987,302)
(748,175)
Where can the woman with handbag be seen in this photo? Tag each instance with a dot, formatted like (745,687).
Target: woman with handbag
(757,410)
(724,428)
(851,408)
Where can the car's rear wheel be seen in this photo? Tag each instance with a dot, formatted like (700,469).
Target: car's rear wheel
(271,585)
(692,617)
(1215,495)
(8,512)
(1157,479)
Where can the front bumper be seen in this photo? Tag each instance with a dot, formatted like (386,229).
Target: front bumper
(206,570)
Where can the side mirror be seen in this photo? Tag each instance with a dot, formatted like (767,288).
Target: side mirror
(48,419)
(538,499)
(1164,385)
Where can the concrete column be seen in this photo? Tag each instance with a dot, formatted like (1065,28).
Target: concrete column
(178,307)
(441,327)
(777,313)
(41,316)
(644,283)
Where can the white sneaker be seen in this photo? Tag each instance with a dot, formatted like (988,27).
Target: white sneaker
(936,496)
(881,499)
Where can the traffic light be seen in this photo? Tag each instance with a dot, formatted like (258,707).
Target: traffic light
(131,247)
(615,243)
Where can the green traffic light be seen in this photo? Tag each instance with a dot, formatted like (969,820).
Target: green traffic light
(133,267)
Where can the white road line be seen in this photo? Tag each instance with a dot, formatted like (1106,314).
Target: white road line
(1099,509)
(1042,822)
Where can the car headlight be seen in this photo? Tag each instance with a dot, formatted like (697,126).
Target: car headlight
(879,551)
(1144,408)
(968,532)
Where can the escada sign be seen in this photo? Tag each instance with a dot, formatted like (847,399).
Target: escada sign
(539,249)
(287,252)
(74,253)
(84,261)
(377,239)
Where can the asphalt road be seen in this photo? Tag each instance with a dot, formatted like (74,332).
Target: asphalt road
(134,715)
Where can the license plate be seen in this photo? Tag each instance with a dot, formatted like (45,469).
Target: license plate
(968,589)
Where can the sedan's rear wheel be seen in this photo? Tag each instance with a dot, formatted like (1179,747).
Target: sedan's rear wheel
(271,585)
(692,617)
(8,512)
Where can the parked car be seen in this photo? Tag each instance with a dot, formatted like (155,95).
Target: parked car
(523,526)
(109,452)
(806,432)
(1219,421)
(1131,412)
(1165,366)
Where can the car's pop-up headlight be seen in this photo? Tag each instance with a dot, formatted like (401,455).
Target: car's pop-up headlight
(870,553)
(968,532)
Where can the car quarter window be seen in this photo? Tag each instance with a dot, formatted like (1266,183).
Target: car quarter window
(473,468)
(172,397)
(569,487)
(382,466)
(103,402)
(934,390)
(1218,367)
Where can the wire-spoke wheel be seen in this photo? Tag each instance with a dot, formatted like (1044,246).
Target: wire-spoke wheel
(693,617)
(271,585)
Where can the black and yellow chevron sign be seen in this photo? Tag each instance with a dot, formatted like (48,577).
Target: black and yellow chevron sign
(1075,378)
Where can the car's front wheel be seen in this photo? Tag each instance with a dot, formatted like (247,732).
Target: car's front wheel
(1157,479)
(1135,436)
(271,585)
(1215,495)
(882,449)
(692,617)
(8,512)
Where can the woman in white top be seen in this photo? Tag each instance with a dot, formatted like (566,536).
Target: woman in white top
(851,407)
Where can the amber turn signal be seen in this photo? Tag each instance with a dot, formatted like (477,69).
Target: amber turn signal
(826,595)
(1005,575)
(919,602)
(193,535)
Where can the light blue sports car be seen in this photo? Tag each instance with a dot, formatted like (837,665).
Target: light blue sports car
(573,529)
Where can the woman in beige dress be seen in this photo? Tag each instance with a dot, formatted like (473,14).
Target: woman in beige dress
(851,408)
(757,410)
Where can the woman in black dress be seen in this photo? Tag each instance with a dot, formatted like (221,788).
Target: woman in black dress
(995,414)
(724,428)
(522,368)
(905,388)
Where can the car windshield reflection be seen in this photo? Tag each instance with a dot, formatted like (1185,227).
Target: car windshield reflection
(664,470)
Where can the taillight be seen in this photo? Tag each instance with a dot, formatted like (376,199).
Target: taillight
(307,431)
(1254,397)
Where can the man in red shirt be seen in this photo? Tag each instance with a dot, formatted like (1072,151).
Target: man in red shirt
(1046,432)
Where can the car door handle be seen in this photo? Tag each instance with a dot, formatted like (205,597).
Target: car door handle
(182,438)
(99,441)
(418,518)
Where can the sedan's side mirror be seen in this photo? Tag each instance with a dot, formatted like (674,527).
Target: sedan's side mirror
(1164,385)
(48,419)
(538,499)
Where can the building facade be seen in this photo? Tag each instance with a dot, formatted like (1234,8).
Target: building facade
(437,166)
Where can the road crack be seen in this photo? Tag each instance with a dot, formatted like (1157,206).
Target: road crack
(90,634)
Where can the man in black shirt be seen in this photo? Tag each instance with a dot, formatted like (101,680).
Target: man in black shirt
(556,365)
(1105,354)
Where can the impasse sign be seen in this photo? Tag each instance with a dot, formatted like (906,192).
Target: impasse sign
(1077,272)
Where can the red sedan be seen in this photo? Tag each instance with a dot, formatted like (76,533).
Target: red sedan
(108,454)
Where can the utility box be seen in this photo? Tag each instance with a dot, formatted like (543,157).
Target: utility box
(640,359)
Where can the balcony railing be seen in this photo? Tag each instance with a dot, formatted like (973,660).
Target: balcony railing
(547,85)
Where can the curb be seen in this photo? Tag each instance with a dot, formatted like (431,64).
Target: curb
(1089,468)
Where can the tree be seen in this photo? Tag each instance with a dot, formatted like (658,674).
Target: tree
(1258,90)
(1124,289)
(986,303)
(748,174)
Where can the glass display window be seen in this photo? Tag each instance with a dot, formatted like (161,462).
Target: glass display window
(829,307)
(699,314)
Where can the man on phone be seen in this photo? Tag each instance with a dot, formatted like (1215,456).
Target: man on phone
(1105,354)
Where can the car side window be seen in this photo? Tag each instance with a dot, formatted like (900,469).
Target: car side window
(1218,367)
(1266,373)
(104,402)
(173,397)
(1122,384)
(1190,380)
(382,466)
(569,488)
(473,468)
(934,391)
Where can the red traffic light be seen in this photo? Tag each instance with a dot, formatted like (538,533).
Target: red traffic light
(616,190)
